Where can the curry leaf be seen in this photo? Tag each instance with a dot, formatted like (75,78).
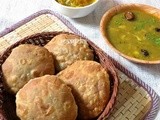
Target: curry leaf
(157,41)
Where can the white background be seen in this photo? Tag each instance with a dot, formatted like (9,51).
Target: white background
(12,11)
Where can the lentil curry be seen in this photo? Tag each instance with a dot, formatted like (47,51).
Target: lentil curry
(136,34)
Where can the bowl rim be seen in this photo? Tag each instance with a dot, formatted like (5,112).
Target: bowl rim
(111,12)
(76,8)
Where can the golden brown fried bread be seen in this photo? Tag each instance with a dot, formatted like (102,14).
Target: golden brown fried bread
(46,98)
(24,63)
(90,86)
(68,48)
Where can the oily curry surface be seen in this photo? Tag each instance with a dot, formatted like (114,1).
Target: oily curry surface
(76,3)
(136,34)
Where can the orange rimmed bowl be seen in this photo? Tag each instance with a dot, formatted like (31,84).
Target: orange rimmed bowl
(124,8)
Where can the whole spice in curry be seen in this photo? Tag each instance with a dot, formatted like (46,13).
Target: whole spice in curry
(157,29)
(129,15)
(144,52)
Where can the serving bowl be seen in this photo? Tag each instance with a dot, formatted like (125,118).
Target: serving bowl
(123,8)
(75,12)
(7,101)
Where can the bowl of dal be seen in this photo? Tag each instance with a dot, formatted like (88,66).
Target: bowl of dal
(75,8)
(133,31)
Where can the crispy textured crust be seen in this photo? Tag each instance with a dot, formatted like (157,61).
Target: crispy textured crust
(90,85)
(46,98)
(68,48)
(24,63)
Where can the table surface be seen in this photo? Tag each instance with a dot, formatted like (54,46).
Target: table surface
(13,11)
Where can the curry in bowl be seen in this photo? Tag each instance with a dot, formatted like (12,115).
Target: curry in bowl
(133,31)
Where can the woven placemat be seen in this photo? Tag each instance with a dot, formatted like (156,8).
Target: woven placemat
(135,100)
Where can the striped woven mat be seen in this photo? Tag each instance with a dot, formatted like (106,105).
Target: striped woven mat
(135,100)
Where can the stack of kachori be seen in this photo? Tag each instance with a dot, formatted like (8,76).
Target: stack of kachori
(60,81)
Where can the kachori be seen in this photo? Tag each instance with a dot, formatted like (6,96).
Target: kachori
(24,63)
(68,48)
(90,86)
(46,98)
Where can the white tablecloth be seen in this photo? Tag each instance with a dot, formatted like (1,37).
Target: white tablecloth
(12,11)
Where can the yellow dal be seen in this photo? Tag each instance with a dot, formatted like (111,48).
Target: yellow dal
(75,3)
